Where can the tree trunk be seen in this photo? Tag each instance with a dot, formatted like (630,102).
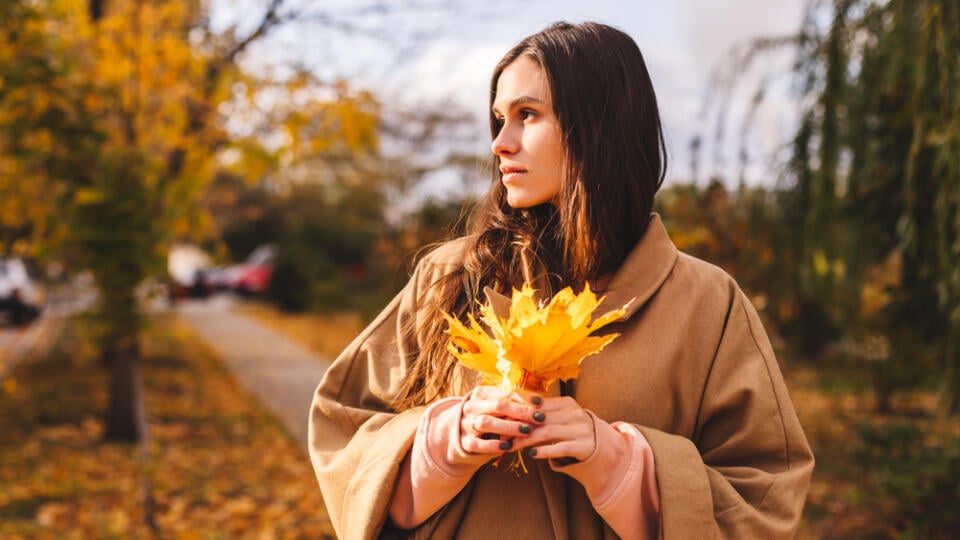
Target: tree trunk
(124,418)
(884,385)
(883,403)
(952,376)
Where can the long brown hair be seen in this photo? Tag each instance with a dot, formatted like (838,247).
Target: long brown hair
(614,160)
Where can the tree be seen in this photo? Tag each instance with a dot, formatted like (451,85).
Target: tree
(115,116)
(870,198)
(877,177)
(33,127)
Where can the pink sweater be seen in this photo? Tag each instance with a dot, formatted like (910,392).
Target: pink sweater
(619,476)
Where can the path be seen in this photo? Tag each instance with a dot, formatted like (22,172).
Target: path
(19,343)
(281,373)
(35,339)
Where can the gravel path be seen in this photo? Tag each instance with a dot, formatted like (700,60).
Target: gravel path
(283,374)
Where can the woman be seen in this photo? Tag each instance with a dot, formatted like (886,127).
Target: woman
(681,427)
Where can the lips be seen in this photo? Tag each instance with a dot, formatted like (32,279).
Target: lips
(509,172)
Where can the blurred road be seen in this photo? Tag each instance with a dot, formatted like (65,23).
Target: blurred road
(281,373)
(18,343)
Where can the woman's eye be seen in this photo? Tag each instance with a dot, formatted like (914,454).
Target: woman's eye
(526,113)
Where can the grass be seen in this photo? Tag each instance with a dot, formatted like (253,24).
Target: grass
(846,497)
(217,465)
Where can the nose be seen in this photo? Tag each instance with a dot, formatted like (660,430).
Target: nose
(506,142)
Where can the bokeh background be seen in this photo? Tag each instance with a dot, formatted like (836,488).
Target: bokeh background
(168,167)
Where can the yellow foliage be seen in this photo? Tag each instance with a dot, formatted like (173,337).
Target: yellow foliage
(687,239)
(820,263)
(882,280)
(85,196)
(138,83)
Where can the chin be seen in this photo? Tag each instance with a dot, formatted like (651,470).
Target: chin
(518,205)
(521,201)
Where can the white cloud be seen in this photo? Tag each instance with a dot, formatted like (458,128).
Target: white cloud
(457,71)
(712,27)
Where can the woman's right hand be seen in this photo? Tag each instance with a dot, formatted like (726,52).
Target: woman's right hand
(456,437)
(492,418)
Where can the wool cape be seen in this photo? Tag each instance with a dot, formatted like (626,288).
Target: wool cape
(693,370)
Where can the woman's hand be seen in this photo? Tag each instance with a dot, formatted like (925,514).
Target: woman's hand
(566,433)
(557,428)
(493,421)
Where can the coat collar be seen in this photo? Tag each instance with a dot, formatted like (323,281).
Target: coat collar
(642,272)
(638,278)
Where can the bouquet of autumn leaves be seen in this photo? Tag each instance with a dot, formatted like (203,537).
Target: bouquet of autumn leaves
(536,344)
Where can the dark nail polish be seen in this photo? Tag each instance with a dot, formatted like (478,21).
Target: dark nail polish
(489,436)
(539,416)
(536,400)
(506,445)
(525,429)
(533,452)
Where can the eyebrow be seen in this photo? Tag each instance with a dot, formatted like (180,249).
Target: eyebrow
(522,100)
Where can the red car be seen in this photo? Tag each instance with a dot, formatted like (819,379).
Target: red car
(253,275)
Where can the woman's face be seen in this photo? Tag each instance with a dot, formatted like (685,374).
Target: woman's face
(529,143)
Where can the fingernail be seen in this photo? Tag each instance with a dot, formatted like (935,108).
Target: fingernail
(525,429)
(539,416)
(489,436)
(506,445)
(533,452)
(536,400)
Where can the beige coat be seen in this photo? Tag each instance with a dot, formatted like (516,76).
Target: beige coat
(693,370)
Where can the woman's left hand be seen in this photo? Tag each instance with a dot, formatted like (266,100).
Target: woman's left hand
(566,434)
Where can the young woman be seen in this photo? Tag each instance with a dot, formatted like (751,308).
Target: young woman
(682,427)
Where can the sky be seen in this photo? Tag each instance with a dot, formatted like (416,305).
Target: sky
(686,43)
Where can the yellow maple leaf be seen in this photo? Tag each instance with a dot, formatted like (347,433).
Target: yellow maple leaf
(535,345)
(474,348)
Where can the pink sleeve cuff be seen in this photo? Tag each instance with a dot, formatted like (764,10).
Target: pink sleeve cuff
(437,449)
(437,467)
(620,479)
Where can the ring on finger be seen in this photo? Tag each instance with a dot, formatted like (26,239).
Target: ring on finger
(473,426)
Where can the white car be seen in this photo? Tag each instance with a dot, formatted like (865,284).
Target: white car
(22,296)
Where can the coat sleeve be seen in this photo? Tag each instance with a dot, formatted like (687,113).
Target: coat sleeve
(356,442)
(746,471)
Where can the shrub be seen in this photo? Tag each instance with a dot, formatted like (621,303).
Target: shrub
(915,469)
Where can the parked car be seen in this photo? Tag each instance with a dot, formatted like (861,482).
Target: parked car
(253,275)
(22,295)
(217,278)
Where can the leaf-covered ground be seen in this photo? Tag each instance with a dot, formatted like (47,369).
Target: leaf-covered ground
(877,475)
(216,465)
